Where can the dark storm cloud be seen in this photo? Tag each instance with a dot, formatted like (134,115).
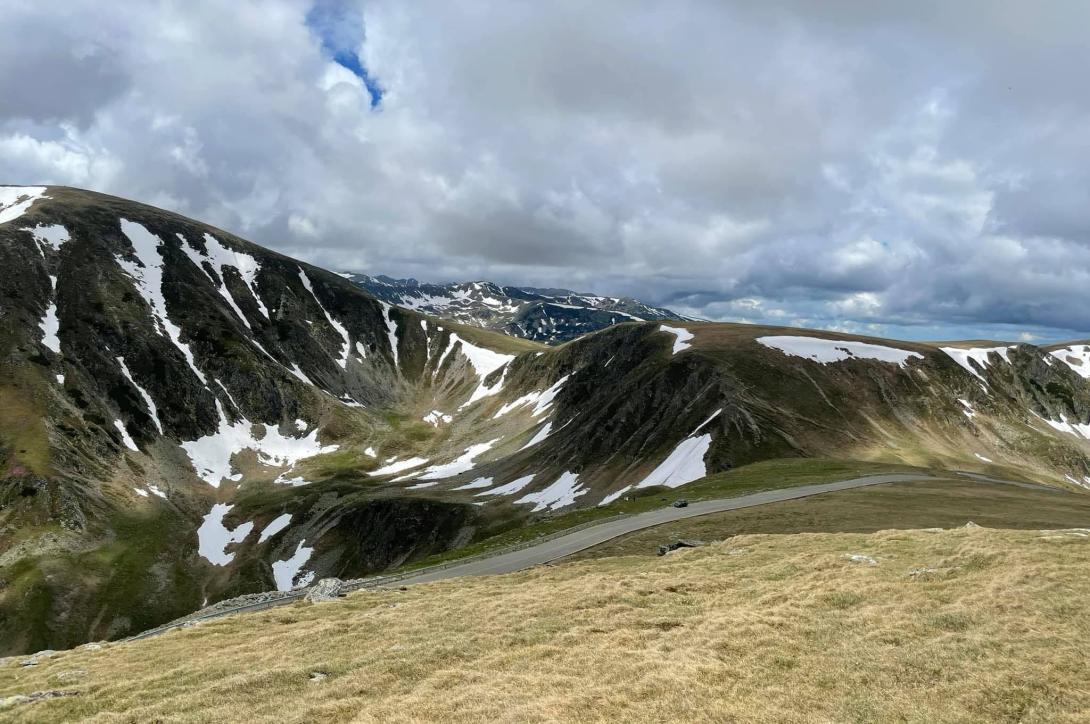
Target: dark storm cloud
(910,168)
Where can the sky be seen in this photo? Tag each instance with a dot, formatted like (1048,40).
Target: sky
(914,170)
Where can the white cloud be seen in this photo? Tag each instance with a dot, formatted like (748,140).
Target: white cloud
(838,166)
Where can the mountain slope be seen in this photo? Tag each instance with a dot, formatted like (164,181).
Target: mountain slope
(552,316)
(185,417)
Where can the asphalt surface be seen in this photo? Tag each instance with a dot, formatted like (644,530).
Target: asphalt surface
(562,546)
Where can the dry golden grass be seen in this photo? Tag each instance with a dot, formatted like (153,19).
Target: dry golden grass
(760,628)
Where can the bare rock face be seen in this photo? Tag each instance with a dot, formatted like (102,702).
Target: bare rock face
(327,589)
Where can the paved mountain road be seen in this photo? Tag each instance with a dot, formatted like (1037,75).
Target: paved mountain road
(563,545)
(589,537)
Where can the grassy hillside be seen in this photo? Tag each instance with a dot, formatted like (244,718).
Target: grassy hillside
(959,625)
(938,504)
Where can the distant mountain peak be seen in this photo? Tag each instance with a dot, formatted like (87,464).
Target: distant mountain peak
(549,315)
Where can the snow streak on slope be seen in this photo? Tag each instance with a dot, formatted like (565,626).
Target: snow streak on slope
(213,536)
(463,463)
(509,488)
(834,350)
(391,331)
(16,200)
(51,325)
(681,337)
(561,493)
(285,572)
(1078,429)
(54,236)
(394,466)
(542,400)
(683,465)
(276,525)
(543,433)
(125,437)
(148,277)
(476,484)
(211,455)
(343,361)
(437,417)
(979,355)
(484,362)
(152,410)
(1077,357)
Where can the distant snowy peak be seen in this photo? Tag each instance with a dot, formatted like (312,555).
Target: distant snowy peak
(552,316)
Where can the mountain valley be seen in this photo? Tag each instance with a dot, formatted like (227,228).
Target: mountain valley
(187,416)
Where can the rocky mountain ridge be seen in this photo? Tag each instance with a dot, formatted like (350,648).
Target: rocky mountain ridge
(552,316)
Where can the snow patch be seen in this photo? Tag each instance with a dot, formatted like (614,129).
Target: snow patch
(17,200)
(509,488)
(681,337)
(561,493)
(125,436)
(968,411)
(343,361)
(155,490)
(51,325)
(213,536)
(476,484)
(1077,357)
(613,496)
(542,400)
(1078,429)
(148,278)
(543,433)
(391,331)
(54,236)
(981,457)
(435,417)
(154,412)
(980,355)
(277,524)
(286,571)
(484,363)
(396,467)
(463,463)
(824,351)
(370,452)
(219,257)
(211,455)
(683,465)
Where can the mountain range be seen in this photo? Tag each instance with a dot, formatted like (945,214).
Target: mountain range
(186,416)
(552,316)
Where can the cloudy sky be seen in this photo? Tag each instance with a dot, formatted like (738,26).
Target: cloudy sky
(918,170)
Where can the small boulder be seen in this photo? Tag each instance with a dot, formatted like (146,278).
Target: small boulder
(39,657)
(327,589)
(681,543)
(861,558)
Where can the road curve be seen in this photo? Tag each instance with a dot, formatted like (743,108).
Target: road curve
(578,540)
(584,538)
